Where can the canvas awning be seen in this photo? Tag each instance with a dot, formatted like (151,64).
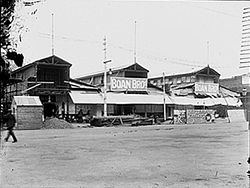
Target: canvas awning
(121,98)
(79,97)
(227,101)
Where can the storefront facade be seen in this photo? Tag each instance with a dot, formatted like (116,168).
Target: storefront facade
(128,92)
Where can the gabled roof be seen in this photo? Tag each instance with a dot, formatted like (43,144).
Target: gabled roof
(48,60)
(56,60)
(204,70)
(134,66)
(27,101)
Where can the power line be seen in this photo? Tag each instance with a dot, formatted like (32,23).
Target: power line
(176,61)
(211,10)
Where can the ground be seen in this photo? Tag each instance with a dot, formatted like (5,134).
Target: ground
(175,156)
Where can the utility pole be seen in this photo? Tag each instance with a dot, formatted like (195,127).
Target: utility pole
(164,97)
(105,77)
(135,44)
(208,52)
(245,63)
(52,38)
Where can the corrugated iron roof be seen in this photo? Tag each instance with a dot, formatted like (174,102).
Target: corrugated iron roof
(27,101)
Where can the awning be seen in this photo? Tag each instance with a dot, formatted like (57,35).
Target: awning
(79,97)
(121,98)
(182,100)
(227,101)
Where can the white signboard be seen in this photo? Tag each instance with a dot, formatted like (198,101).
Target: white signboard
(211,88)
(128,84)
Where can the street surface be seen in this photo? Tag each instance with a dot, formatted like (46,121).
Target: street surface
(176,156)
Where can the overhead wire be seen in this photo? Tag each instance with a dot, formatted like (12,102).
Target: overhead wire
(141,54)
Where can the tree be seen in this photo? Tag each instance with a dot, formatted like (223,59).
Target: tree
(7,18)
(7,11)
(11,23)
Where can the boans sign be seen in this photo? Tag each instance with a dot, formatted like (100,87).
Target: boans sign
(209,88)
(128,84)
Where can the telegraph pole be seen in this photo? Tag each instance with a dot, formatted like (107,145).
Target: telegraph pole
(245,63)
(135,44)
(52,38)
(164,97)
(105,77)
(208,52)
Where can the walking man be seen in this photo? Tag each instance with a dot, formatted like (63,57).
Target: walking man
(10,121)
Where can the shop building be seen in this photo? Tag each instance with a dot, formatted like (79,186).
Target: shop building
(198,84)
(47,78)
(197,94)
(128,92)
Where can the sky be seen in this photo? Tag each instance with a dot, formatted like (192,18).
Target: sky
(168,36)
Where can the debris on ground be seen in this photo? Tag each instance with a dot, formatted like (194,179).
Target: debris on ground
(55,123)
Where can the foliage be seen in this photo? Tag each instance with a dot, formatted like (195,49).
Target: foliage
(7,11)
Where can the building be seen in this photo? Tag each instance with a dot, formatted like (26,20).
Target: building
(240,84)
(197,84)
(47,78)
(237,83)
(128,92)
(188,84)
(197,92)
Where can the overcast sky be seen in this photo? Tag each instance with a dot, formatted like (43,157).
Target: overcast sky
(171,36)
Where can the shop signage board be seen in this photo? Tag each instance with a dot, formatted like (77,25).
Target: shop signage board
(211,88)
(128,84)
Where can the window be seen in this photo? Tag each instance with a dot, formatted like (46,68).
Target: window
(178,80)
(193,79)
(158,82)
(174,81)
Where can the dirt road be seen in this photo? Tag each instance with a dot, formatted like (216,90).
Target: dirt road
(152,156)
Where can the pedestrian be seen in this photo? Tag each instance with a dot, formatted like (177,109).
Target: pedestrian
(11,122)
(79,116)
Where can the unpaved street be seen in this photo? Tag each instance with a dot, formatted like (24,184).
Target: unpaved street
(211,155)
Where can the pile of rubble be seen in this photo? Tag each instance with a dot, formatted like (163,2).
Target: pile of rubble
(55,123)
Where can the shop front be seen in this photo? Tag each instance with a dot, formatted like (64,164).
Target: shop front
(121,104)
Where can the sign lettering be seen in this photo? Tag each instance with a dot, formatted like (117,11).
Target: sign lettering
(128,84)
(211,88)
